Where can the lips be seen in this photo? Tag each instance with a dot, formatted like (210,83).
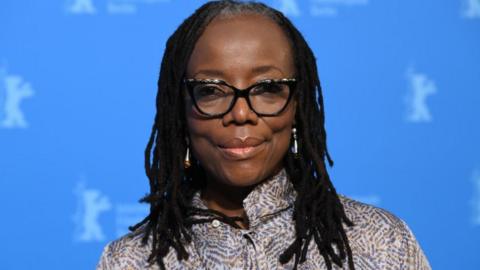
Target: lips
(241,149)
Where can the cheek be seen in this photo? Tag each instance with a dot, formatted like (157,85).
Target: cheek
(281,140)
(196,125)
(281,127)
(202,144)
(203,134)
(279,143)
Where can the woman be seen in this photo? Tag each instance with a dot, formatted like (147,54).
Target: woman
(236,160)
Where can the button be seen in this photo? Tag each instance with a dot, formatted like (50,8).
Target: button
(215,223)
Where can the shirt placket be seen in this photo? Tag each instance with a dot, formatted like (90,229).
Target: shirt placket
(255,257)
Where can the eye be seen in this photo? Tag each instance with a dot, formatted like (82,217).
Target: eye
(208,91)
(268,88)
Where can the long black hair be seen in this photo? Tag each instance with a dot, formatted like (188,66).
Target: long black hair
(318,212)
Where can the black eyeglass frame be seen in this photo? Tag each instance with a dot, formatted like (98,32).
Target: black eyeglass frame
(238,93)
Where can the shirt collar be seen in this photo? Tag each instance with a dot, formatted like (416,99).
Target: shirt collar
(266,199)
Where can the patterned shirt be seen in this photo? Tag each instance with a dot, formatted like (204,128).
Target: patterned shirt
(379,240)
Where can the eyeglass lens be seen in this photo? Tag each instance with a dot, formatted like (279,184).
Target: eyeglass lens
(265,98)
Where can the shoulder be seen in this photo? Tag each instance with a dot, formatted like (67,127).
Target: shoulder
(383,236)
(361,213)
(373,225)
(127,252)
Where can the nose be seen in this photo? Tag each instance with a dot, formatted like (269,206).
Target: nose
(240,114)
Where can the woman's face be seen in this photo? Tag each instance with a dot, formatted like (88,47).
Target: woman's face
(241,149)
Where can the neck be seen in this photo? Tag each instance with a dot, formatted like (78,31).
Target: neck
(227,200)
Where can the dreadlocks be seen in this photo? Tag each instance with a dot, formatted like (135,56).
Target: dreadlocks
(318,212)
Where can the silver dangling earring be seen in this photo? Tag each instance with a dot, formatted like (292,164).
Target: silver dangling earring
(295,143)
(186,162)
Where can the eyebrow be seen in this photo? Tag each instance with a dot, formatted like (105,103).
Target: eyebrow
(264,69)
(255,71)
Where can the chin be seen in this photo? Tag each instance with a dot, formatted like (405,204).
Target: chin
(243,176)
(239,176)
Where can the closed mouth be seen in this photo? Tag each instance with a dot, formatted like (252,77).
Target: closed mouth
(241,153)
(241,150)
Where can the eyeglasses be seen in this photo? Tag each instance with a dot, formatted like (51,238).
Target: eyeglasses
(215,98)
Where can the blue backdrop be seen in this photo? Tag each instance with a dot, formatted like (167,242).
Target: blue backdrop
(78,78)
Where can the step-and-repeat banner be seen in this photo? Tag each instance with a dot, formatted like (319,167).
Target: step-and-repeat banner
(78,79)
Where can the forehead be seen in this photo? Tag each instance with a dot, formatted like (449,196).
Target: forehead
(242,45)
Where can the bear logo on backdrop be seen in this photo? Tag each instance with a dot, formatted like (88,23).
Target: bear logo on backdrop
(317,8)
(476,198)
(13,90)
(91,205)
(419,88)
(288,7)
(81,7)
(112,6)
(471,9)
(330,7)
(128,6)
